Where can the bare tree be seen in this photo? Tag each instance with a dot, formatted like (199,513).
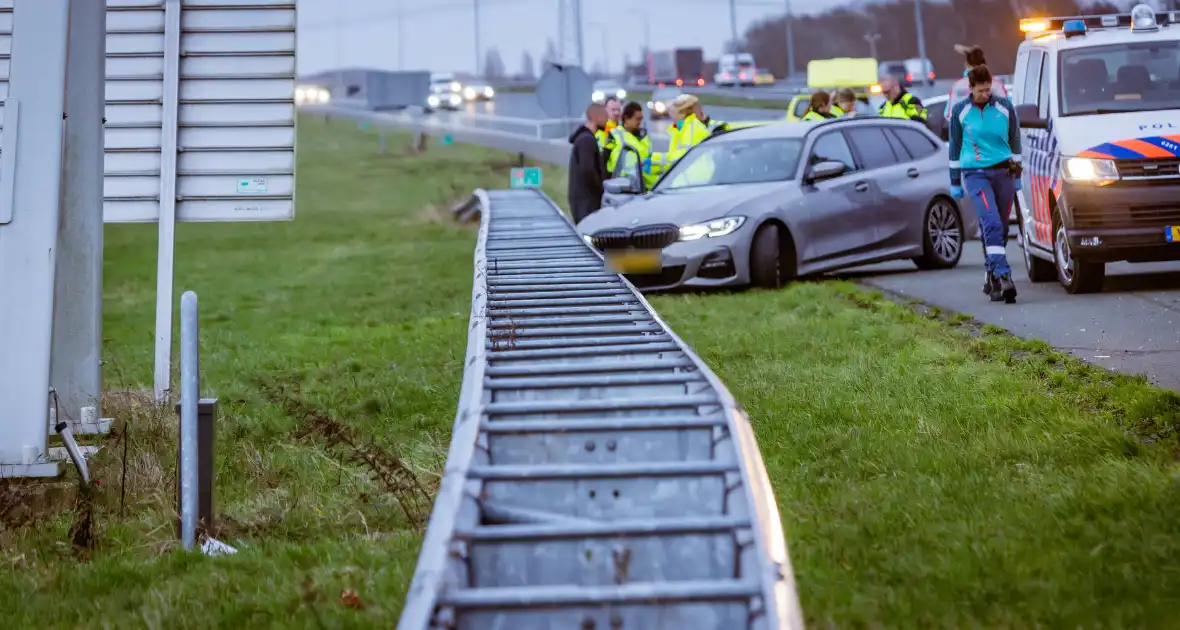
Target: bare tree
(493,65)
(527,67)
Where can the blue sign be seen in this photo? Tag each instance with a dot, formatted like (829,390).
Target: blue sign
(527,177)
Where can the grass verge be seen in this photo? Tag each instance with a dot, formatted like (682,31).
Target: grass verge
(930,472)
(335,343)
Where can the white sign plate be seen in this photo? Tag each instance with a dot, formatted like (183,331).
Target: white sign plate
(235,117)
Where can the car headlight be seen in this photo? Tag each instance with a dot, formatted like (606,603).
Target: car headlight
(597,96)
(1089,170)
(716,227)
(323,96)
(469,93)
(588,239)
(455,87)
(621,94)
(489,92)
(455,100)
(661,107)
(432,101)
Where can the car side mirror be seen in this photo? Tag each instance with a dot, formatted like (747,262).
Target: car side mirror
(1030,118)
(826,170)
(619,186)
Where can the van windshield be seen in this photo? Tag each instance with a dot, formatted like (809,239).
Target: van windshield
(1133,77)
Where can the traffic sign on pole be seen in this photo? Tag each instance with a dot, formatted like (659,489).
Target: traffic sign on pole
(564,91)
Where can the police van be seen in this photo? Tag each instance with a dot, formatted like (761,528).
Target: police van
(1098,98)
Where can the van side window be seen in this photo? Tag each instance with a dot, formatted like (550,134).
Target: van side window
(1043,98)
(1032,78)
(1018,86)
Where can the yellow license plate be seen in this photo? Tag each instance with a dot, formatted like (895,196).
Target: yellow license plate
(641,261)
(1172,233)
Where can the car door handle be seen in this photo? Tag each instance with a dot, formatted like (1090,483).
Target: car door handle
(912,173)
(862,187)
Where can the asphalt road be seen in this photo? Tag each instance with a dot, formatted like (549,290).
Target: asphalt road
(1132,327)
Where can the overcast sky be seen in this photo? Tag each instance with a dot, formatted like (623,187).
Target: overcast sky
(439,34)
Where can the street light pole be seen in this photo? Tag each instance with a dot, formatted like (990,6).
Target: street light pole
(401,37)
(921,29)
(790,40)
(872,38)
(733,37)
(475,20)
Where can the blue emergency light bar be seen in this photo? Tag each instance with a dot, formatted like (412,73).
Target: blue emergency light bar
(1073,25)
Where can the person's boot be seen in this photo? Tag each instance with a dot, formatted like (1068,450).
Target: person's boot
(1004,290)
(989,283)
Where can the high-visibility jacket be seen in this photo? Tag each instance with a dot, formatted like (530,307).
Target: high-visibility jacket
(814,115)
(905,106)
(625,163)
(603,136)
(685,134)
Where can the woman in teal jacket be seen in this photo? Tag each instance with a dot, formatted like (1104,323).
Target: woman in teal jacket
(985,166)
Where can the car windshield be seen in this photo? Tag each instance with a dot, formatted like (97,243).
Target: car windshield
(1132,77)
(734,161)
(665,94)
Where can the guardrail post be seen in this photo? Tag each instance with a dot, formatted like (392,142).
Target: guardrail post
(381,132)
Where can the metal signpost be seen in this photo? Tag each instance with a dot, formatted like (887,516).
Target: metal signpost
(199,126)
(564,91)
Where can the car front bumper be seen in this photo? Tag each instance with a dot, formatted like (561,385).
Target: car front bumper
(1122,222)
(710,262)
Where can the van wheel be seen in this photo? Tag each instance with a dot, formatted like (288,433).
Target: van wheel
(768,269)
(1077,276)
(942,236)
(1038,269)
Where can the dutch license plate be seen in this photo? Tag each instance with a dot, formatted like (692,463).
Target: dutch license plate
(641,261)
(1172,233)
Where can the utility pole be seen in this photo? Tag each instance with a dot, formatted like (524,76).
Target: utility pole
(733,37)
(872,38)
(401,37)
(475,20)
(578,33)
(790,40)
(921,30)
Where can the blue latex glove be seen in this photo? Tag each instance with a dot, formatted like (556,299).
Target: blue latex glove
(647,165)
(1018,183)
(957,192)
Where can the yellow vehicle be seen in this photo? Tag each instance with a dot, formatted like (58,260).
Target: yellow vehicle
(763,76)
(859,74)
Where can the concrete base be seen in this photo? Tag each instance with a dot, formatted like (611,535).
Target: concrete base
(60,454)
(47,469)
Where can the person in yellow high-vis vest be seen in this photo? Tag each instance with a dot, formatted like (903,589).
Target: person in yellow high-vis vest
(899,103)
(631,148)
(614,115)
(692,127)
(820,108)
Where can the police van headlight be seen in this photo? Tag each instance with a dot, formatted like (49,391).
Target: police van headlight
(717,227)
(432,101)
(1089,170)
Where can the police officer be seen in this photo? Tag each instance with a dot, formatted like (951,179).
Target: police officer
(821,108)
(898,102)
(614,114)
(631,135)
(693,126)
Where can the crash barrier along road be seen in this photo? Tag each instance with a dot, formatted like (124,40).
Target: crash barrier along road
(599,475)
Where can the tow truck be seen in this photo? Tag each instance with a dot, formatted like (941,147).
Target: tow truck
(1098,99)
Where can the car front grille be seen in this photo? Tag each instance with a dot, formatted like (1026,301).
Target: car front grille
(646,237)
(1151,171)
(1126,216)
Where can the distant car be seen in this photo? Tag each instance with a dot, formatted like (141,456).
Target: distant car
(735,70)
(766,204)
(307,94)
(660,105)
(443,97)
(603,89)
(478,92)
(762,76)
(897,70)
(919,71)
(936,116)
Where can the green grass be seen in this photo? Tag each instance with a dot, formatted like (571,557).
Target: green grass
(931,472)
(361,304)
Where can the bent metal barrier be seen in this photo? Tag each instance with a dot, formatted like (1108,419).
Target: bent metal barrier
(599,476)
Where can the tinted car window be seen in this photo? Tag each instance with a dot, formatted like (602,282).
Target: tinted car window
(873,147)
(831,147)
(917,144)
(801,107)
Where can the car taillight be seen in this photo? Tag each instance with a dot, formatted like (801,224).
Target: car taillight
(931,75)
(726,75)
(701,82)
(660,84)
(909,77)
(742,75)
(679,82)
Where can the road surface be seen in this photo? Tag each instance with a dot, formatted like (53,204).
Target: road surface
(1132,327)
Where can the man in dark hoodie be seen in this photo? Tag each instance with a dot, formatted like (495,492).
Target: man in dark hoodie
(587,168)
